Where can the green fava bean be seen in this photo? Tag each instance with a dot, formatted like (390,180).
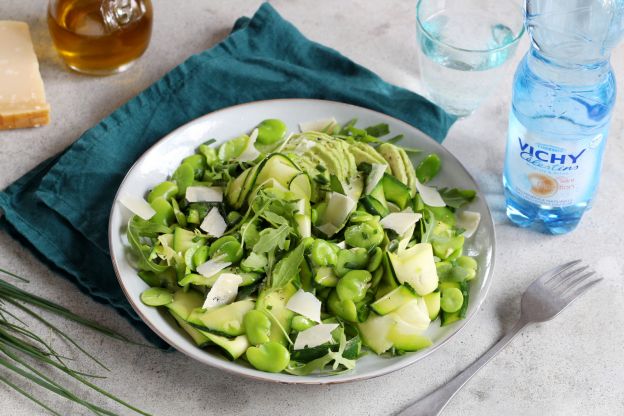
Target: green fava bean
(233,148)
(345,309)
(228,247)
(179,215)
(183,176)
(164,212)
(360,216)
(257,327)
(353,285)
(467,262)
(198,162)
(271,131)
(449,249)
(375,259)
(301,323)
(209,153)
(165,190)
(353,259)
(443,214)
(443,269)
(155,296)
(272,357)
(451,299)
(325,277)
(200,256)
(366,235)
(428,168)
(322,254)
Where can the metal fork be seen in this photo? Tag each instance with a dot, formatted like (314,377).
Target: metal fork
(544,299)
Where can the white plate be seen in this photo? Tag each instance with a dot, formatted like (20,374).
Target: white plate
(161,160)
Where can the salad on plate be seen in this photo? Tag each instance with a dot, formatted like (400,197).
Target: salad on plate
(301,252)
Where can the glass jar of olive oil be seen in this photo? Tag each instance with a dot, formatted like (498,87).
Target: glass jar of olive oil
(100,37)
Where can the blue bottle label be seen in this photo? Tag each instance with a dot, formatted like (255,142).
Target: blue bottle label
(551,172)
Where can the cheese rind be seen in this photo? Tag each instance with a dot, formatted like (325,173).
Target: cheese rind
(22,96)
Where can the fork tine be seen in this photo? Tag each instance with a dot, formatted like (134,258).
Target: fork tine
(572,283)
(549,275)
(580,290)
(561,279)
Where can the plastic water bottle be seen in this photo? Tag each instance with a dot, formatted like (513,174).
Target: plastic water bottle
(563,96)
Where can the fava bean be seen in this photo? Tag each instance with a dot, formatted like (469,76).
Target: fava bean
(325,277)
(165,190)
(209,153)
(198,162)
(228,247)
(257,327)
(322,254)
(233,148)
(271,356)
(428,168)
(443,268)
(345,309)
(375,259)
(156,296)
(366,235)
(164,212)
(451,299)
(467,262)
(353,259)
(179,215)
(200,256)
(183,176)
(449,249)
(301,323)
(353,285)
(271,131)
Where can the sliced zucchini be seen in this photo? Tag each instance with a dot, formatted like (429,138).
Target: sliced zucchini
(273,302)
(278,167)
(393,300)
(200,339)
(185,239)
(235,187)
(225,320)
(374,332)
(432,300)
(395,191)
(407,338)
(300,186)
(233,348)
(184,302)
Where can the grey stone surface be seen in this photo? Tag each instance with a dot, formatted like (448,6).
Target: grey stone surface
(570,366)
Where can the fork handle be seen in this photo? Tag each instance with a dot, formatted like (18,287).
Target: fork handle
(436,401)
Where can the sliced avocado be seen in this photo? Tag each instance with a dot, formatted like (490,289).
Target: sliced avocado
(363,153)
(393,157)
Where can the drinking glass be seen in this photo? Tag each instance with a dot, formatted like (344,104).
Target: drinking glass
(100,37)
(463,46)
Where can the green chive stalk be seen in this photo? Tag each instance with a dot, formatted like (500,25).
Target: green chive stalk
(25,354)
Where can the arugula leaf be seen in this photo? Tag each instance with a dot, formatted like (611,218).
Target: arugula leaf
(395,139)
(456,197)
(378,130)
(319,364)
(287,268)
(275,219)
(271,238)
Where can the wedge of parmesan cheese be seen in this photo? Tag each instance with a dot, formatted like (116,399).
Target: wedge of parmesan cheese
(22,97)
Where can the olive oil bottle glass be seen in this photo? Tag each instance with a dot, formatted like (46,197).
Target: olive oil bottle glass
(100,37)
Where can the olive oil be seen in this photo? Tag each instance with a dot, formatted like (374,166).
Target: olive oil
(100,37)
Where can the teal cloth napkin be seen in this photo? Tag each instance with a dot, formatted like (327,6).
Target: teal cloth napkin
(60,209)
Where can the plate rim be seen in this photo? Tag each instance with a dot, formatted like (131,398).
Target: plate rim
(305,380)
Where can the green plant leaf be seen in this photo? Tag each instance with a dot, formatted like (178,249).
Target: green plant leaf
(287,268)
